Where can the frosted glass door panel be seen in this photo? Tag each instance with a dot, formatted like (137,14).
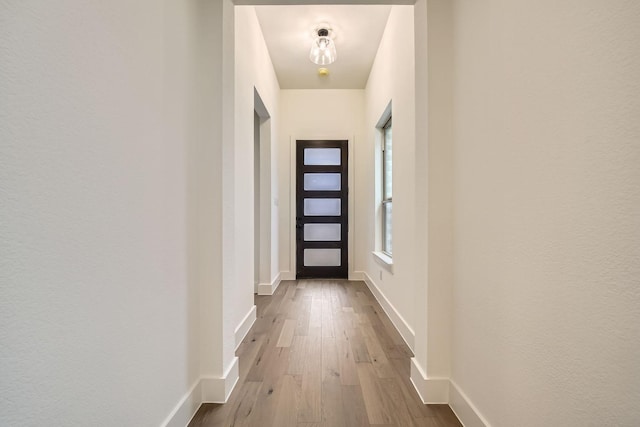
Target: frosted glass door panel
(322,182)
(322,207)
(322,232)
(322,257)
(322,156)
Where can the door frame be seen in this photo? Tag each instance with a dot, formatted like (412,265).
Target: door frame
(341,271)
(292,199)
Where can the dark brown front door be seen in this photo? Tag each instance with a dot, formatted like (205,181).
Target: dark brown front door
(321,209)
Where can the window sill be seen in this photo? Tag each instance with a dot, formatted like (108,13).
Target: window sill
(384,261)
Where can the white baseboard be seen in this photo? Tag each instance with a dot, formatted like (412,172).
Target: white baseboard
(217,390)
(398,321)
(243,328)
(287,275)
(186,408)
(430,390)
(264,289)
(204,390)
(466,411)
(270,288)
(358,275)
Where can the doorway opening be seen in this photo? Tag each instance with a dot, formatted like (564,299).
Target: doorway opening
(261,194)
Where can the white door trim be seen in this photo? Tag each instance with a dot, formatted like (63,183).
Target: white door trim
(292,198)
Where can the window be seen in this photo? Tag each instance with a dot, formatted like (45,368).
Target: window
(387,188)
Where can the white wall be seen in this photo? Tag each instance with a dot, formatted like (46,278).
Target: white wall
(206,172)
(317,114)
(431,367)
(228,310)
(254,73)
(392,79)
(253,70)
(439,130)
(546,101)
(98,305)
(125,205)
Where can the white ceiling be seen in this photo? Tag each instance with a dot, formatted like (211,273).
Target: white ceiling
(357,29)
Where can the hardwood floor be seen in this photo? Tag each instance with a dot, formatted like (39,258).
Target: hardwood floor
(322,353)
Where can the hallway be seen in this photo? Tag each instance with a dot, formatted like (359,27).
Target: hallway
(492,211)
(323,353)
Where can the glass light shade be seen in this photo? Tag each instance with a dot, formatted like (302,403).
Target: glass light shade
(323,51)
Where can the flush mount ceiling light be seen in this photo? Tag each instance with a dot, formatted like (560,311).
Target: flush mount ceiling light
(323,49)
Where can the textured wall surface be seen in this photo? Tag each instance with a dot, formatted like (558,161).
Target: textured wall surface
(547,208)
(97,308)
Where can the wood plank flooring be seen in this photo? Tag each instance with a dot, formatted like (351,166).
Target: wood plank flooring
(322,353)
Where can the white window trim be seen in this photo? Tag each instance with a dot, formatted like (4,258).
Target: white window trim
(384,200)
(382,258)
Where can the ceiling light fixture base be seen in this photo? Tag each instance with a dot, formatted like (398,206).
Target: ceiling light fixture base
(322,26)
